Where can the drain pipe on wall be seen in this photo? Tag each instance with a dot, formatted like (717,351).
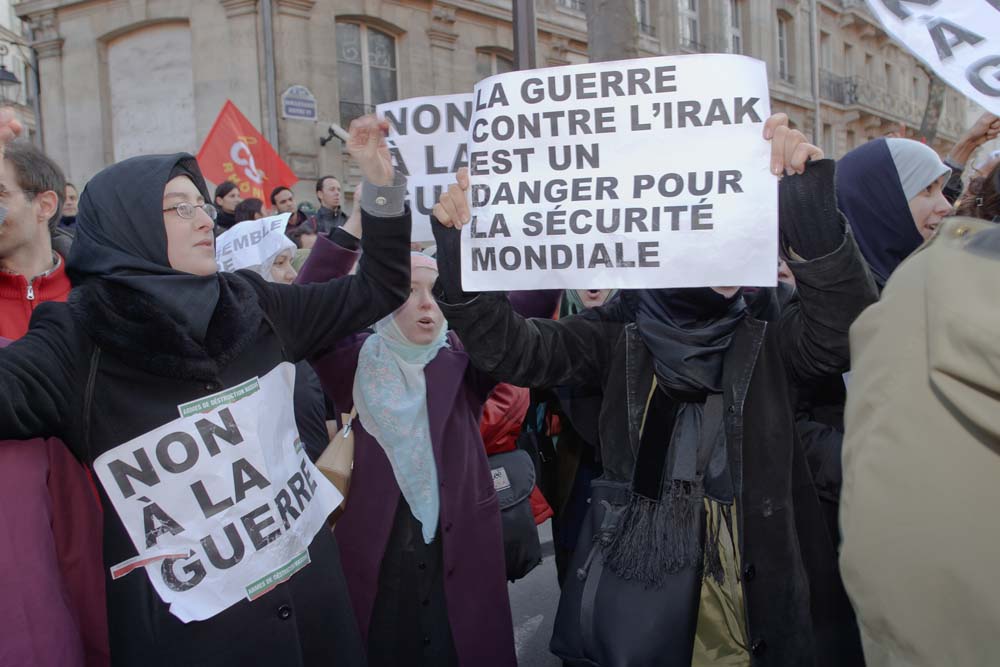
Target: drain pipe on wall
(269,75)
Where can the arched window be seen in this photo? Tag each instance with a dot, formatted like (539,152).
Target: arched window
(490,61)
(366,69)
(151,81)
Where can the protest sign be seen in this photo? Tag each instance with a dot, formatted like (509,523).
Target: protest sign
(428,139)
(639,173)
(221,503)
(958,39)
(235,151)
(251,243)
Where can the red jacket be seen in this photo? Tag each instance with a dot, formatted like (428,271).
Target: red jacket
(500,427)
(18,297)
(51,561)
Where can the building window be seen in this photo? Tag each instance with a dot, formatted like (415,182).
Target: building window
(366,69)
(890,80)
(735,27)
(828,139)
(489,63)
(690,32)
(642,15)
(852,141)
(825,51)
(848,59)
(869,67)
(784,50)
(575,5)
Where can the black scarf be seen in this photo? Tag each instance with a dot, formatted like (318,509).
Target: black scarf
(688,332)
(134,327)
(682,454)
(121,239)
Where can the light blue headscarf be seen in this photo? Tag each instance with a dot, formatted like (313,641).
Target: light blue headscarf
(390,393)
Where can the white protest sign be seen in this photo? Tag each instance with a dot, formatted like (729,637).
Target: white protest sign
(428,139)
(251,242)
(958,39)
(221,503)
(639,173)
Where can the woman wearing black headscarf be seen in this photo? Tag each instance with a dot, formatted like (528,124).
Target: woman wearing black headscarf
(705,543)
(173,382)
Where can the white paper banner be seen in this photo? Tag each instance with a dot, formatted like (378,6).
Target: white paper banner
(221,503)
(427,138)
(958,39)
(251,242)
(640,173)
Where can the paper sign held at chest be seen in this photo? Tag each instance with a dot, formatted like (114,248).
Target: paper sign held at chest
(228,485)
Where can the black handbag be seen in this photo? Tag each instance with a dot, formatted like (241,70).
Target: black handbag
(606,620)
(514,478)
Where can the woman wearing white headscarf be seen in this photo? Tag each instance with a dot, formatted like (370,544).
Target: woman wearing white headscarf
(420,537)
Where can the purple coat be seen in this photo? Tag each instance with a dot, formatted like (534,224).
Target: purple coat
(472,544)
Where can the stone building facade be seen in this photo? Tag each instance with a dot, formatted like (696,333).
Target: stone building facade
(122,77)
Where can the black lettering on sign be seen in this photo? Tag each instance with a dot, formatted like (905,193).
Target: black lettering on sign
(896,6)
(208,507)
(186,442)
(156,522)
(298,487)
(228,431)
(255,528)
(145,473)
(235,543)
(975,75)
(309,480)
(946,36)
(195,569)
(246,477)
(284,503)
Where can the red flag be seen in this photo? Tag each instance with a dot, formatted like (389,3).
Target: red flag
(235,151)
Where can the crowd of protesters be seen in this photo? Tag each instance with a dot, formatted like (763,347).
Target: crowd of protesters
(790,476)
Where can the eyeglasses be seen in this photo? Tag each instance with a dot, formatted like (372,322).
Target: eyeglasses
(187,210)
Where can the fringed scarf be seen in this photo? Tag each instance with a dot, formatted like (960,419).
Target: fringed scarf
(682,445)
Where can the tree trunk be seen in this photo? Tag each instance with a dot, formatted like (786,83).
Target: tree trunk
(932,112)
(612,30)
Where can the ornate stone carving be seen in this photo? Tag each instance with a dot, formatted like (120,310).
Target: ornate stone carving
(300,8)
(239,7)
(442,31)
(45,30)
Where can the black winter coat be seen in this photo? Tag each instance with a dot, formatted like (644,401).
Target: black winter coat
(43,376)
(797,611)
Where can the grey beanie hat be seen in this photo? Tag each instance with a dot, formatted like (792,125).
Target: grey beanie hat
(917,165)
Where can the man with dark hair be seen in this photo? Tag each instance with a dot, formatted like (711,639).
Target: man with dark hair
(283,199)
(70,200)
(330,216)
(31,194)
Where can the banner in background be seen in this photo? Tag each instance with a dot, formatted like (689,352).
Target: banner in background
(235,151)
(958,39)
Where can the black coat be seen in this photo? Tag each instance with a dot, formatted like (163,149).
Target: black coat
(797,611)
(137,387)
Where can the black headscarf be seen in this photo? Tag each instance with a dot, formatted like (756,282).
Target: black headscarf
(688,332)
(121,238)
(871,196)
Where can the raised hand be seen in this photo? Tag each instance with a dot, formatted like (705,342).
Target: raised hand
(452,209)
(10,127)
(789,148)
(368,147)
